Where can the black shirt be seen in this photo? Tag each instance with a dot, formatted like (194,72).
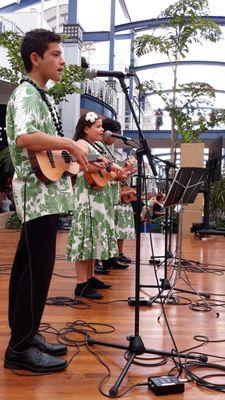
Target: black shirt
(157,207)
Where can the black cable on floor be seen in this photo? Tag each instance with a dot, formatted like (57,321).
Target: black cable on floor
(67,302)
(202,380)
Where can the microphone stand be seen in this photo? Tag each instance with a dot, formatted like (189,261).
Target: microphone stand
(165,283)
(136,346)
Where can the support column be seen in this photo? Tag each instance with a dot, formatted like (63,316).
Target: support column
(131,67)
(112,35)
(72,11)
(70,109)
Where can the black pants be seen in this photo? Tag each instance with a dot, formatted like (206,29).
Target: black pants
(30,279)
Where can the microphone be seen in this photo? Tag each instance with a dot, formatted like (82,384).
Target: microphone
(94,73)
(117,136)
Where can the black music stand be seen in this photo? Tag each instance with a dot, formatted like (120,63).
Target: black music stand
(183,191)
(185,186)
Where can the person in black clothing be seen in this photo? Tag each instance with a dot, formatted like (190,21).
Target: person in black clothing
(134,206)
(158,119)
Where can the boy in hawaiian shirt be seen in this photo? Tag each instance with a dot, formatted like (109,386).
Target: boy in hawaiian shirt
(32,126)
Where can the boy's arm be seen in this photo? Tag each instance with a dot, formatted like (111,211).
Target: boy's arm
(39,141)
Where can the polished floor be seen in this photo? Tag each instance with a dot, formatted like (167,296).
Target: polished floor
(111,320)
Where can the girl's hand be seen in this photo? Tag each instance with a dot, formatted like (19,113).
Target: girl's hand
(101,164)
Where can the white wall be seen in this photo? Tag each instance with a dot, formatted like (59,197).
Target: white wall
(25,21)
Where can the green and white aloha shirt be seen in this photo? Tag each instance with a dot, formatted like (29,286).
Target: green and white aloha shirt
(124,221)
(28,113)
(92,235)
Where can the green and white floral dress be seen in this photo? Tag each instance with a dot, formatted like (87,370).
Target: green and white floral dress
(124,221)
(92,234)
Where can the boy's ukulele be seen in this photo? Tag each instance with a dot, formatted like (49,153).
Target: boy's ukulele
(50,165)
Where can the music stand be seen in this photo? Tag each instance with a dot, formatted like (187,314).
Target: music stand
(185,186)
(184,190)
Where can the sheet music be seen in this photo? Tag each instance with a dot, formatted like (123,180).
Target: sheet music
(185,186)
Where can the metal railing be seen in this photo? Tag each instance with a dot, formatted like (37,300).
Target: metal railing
(102,91)
(148,122)
(7,25)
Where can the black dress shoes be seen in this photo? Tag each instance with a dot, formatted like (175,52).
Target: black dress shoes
(97,284)
(56,349)
(114,263)
(119,265)
(100,269)
(33,360)
(87,291)
(123,258)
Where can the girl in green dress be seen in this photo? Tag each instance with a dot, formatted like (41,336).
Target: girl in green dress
(92,234)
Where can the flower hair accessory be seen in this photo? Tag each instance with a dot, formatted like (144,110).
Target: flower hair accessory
(91,116)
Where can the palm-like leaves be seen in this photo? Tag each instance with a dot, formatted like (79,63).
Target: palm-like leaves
(217,202)
(72,74)
(187,23)
(6,165)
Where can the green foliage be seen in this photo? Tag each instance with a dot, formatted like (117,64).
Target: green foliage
(184,27)
(6,166)
(72,74)
(13,222)
(189,98)
(11,42)
(67,85)
(217,202)
(84,63)
(187,24)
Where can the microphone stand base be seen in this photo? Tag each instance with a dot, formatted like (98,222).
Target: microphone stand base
(136,348)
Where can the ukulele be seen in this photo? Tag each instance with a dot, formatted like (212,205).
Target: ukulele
(132,196)
(99,179)
(50,165)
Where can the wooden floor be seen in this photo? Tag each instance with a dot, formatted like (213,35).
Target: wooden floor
(81,379)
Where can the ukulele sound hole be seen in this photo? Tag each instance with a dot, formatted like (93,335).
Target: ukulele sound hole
(66,156)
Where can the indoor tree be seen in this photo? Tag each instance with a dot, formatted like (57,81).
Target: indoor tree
(187,23)
(191,97)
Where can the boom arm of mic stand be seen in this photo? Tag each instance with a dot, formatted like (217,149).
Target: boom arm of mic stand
(142,140)
(128,142)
